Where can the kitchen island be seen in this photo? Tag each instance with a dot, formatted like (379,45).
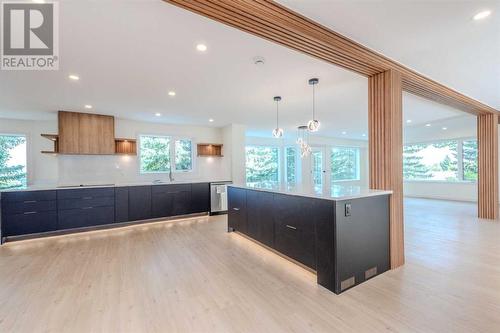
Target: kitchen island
(343,236)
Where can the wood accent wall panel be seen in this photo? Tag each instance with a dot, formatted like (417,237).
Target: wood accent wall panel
(274,22)
(83,133)
(487,136)
(385,121)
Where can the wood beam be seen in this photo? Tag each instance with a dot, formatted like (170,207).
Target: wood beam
(274,22)
(487,139)
(385,126)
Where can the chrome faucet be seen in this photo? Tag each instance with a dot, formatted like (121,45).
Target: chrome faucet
(170,175)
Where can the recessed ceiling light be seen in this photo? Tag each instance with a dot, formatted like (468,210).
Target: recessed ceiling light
(344,132)
(427,125)
(88,106)
(259,61)
(171,93)
(408,121)
(482,15)
(158,114)
(201,47)
(445,128)
(39,1)
(211,120)
(73,77)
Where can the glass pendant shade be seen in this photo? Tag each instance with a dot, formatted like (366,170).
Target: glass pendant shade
(277,132)
(302,141)
(313,124)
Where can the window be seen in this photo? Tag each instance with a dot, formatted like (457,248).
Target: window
(449,160)
(262,166)
(469,156)
(344,163)
(12,161)
(183,155)
(291,166)
(156,154)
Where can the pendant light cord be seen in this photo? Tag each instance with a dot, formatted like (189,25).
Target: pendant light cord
(314,118)
(277,112)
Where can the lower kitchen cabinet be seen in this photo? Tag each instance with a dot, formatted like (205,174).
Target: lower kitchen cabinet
(260,217)
(200,197)
(237,209)
(170,200)
(29,223)
(121,204)
(139,203)
(85,217)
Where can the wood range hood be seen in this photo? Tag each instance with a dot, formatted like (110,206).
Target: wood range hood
(88,134)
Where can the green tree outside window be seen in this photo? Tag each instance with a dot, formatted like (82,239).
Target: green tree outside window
(12,172)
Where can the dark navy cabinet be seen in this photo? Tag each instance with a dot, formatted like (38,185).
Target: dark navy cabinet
(121,204)
(237,209)
(260,217)
(28,212)
(200,197)
(32,212)
(139,203)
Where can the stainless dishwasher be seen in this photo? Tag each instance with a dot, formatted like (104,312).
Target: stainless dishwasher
(218,198)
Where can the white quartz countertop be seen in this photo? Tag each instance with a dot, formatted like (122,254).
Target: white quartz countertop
(69,187)
(337,192)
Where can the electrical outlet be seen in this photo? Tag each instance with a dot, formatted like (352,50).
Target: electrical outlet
(348,209)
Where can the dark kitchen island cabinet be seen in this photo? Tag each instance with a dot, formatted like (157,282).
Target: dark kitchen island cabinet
(344,238)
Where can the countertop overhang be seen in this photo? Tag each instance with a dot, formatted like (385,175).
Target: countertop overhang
(338,193)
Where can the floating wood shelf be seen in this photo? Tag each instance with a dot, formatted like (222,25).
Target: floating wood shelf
(122,146)
(210,149)
(125,146)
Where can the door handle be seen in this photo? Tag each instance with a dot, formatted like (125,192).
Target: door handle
(87,207)
(27,213)
(87,198)
(30,201)
(291,227)
(236,209)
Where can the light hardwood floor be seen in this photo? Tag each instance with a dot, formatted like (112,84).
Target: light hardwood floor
(192,276)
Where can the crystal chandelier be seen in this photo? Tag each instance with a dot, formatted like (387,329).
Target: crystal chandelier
(277,132)
(302,141)
(313,124)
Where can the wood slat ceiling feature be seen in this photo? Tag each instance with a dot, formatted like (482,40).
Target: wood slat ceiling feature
(274,22)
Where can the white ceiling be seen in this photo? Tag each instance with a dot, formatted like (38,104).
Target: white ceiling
(129,54)
(438,38)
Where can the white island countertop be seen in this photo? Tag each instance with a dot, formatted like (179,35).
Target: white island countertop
(337,192)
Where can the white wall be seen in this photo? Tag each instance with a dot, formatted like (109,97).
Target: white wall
(48,169)
(324,142)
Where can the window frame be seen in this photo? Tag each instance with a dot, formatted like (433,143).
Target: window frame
(171,153)
(460,160)
(358,164)
(27,153)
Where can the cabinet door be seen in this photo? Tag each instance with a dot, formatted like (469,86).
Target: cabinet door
(121,204)
(260,216)
(295,228)
(139,201)
(171,200)
(85,217)
(237,209)
(29,223)
(200,198)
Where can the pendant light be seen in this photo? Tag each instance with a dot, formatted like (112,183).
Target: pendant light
(313,124)
(277,132)
(302,141)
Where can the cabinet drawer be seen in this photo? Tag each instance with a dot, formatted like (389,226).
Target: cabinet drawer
(79,218)
(296,244)
(29,223)
(28,206)
(28,196)
(86,193)
(171,188)
(64,204)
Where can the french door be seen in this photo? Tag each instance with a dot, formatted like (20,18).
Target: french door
(320,177)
